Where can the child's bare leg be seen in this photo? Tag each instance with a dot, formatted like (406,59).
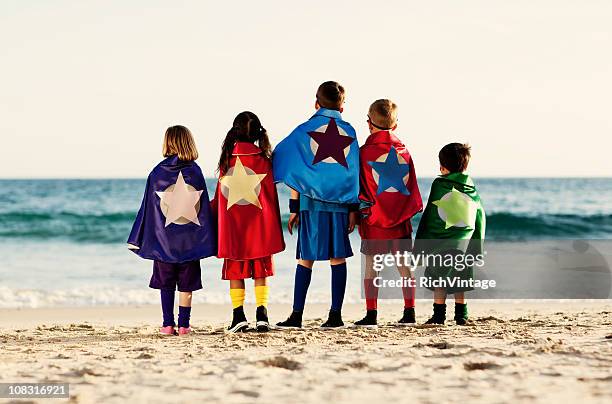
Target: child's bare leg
(260,282)
(439,295)
(306,263)
(369,272)
(460,297)
(185,299)
(236,283)
(336,261)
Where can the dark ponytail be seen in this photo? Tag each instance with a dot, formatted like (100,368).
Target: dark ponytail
(246,128)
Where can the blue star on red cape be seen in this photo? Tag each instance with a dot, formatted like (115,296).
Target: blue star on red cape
(331,144)
(391,173)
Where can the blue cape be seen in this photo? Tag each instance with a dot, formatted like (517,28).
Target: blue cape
(295,164)
(174,239)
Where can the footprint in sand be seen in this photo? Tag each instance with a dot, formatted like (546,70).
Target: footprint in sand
(281,362)
(469,366)
(82,372)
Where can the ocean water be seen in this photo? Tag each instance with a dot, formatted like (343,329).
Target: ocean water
(62,242)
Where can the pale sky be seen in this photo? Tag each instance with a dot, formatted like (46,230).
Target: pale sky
(87,88)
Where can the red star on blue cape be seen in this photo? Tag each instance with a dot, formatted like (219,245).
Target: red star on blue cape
(331,144)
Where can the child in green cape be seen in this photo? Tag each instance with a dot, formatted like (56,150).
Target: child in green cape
(452,228)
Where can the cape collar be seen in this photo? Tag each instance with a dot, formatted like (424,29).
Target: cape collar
(383,136)
(329,113)
(459,178)
(174,161)
(245,149)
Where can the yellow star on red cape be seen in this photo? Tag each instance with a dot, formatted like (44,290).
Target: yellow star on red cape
(242,186)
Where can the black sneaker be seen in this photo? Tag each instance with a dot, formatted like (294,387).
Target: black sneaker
(461,313)
(239,321)
(369,321)
(262,324)
(439,315)
(409,317)
(293,322)
(334,320)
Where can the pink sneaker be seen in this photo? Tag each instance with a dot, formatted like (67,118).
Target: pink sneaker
(169,330)
(184,331)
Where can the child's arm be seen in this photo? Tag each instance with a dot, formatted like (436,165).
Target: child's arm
(214,203)
(353,219)
(294,219)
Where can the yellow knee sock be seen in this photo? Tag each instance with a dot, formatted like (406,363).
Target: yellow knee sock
(261,295)
(237,296)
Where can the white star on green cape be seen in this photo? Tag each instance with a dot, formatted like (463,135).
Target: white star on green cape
(456,209)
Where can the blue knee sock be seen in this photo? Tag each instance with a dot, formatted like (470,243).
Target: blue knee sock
(338,285)
(184,316)
(302,282)
(167,303)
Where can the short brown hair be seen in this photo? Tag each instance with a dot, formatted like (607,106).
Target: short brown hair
(330,95)
(383,114)
(178,141)
(455,157)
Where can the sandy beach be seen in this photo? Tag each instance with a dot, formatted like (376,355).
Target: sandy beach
(536,352)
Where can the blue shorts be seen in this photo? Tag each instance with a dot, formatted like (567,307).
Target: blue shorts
(186,277)
(323,235)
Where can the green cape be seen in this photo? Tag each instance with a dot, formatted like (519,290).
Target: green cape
(453,221)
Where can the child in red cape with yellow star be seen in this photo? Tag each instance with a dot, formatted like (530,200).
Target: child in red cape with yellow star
(390,195)
(248,217)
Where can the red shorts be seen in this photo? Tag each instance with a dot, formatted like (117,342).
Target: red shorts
(402,230)
(381,240)
(243,269)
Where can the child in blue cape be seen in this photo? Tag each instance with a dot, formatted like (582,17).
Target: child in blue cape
(319,161)
(174,227)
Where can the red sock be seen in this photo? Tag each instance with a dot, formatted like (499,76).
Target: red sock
(408,293)
(371,294)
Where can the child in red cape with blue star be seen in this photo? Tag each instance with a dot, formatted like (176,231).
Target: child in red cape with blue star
(390,198)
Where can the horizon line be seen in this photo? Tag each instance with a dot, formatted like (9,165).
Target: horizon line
(424,176)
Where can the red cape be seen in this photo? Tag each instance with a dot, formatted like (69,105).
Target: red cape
(388,209)
(247,231)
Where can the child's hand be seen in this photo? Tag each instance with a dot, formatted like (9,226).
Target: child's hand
(294,220)
(352,221)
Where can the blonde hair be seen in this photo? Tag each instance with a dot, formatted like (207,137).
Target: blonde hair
(178,141)
(383,114)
